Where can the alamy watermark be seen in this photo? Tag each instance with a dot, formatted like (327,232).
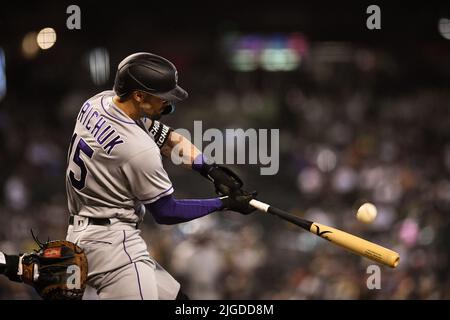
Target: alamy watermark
(374,280)
(374,20)
(74,19)
(74,280)
(233,146)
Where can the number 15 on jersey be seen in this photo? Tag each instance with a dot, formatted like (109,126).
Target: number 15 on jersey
(83,147)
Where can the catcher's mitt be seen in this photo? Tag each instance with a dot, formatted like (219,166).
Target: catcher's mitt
(58,271)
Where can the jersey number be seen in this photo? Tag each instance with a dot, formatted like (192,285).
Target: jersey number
(84,147)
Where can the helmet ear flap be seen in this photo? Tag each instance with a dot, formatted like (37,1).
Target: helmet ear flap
(170,108)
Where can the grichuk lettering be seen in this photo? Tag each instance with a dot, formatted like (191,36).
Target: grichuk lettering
(94,123)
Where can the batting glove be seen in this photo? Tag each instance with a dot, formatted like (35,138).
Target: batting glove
(239,201)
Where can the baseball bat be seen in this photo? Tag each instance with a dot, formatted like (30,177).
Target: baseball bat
(346,240)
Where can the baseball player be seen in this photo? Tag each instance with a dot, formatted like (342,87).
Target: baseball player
(115,175)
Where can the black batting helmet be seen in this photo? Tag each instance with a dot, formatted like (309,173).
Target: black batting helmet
(152,74)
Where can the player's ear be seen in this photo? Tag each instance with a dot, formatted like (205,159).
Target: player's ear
(138,96)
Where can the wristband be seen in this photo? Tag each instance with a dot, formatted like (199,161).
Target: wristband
(199,162)
(160,132)
(201,165)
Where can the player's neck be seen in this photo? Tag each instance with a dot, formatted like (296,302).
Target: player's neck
(128,107)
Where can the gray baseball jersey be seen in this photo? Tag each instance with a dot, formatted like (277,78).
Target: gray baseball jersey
(113,163)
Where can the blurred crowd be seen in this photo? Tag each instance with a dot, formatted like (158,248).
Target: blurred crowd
(370,127)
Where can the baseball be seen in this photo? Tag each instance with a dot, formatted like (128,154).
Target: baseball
(367,213)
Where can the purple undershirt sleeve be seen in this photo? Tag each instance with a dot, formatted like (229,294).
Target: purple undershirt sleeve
(168,210)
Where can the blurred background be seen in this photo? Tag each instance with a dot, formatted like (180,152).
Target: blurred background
(363,115)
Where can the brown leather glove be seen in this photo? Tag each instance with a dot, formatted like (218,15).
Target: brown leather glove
(58,271)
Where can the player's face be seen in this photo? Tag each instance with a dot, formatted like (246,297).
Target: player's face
(152,106)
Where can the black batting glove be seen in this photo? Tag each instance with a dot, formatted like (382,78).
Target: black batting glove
(239,201)
(224,179)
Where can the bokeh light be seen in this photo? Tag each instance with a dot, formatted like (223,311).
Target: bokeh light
(46,38)
(444,28)
(30,46)
(99,65)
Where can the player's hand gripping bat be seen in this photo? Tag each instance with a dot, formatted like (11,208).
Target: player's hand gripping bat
(348,241)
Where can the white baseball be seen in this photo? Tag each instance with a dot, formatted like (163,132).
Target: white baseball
(367,213)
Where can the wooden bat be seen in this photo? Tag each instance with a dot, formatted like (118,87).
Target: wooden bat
(348,241)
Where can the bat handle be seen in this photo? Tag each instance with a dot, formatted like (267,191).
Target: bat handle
(261,206)
(305,224)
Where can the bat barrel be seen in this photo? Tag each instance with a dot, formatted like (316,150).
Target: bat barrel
(358,245)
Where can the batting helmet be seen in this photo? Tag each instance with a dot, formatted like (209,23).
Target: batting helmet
(152,74)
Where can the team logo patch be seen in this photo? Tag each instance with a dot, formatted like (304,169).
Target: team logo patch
(52,253)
